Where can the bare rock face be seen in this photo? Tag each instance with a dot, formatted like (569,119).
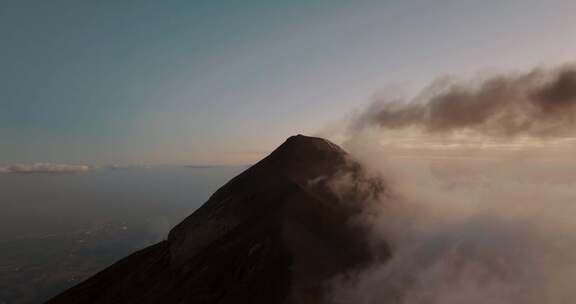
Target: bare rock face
(273,234)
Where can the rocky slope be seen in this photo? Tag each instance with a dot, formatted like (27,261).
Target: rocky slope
(273,234)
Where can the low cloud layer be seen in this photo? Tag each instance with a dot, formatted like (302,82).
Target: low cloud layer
(539,103)
(470,231)
(47,168)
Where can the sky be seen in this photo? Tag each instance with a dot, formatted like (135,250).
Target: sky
(224,82)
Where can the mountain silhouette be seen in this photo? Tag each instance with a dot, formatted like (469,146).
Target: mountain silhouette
(275,233)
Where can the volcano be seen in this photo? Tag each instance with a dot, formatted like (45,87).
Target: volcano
(276,233)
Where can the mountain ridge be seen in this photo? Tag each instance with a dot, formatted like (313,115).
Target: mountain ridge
(273,234)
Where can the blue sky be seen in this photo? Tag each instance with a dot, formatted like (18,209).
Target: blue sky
(210,82)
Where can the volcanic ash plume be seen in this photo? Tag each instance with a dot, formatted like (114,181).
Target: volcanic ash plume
(493,226)
(539,103)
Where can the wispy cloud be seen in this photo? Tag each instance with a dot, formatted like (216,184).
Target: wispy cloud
(48,168)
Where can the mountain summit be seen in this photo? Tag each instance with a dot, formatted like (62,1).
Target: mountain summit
(273,234)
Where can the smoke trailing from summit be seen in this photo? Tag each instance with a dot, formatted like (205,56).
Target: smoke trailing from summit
(471,223)
(539,103)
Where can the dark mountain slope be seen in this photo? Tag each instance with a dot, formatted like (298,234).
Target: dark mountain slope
(273,234)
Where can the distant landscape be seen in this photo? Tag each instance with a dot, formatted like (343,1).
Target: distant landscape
(58,229)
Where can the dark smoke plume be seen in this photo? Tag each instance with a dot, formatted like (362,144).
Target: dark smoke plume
(540,103)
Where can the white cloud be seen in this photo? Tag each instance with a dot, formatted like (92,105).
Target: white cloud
(44,168)
(492,225)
